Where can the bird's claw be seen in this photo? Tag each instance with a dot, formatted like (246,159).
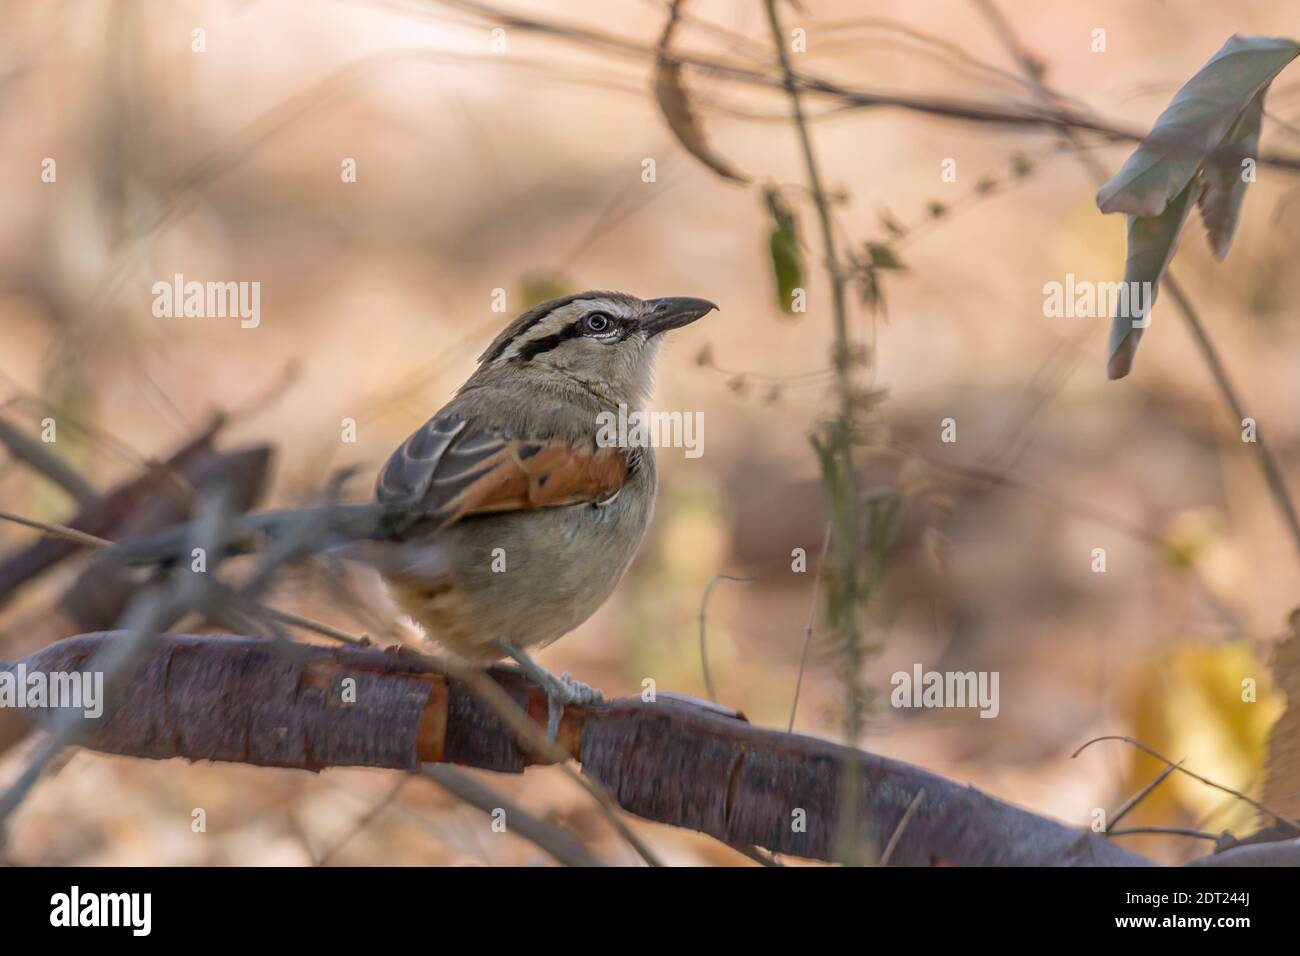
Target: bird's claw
(560,694)
(581,694)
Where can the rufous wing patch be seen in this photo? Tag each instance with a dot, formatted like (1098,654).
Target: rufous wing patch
(524,475)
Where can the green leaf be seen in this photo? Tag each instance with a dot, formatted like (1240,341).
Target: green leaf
(538,287)
(783,247)
(1225,178)
(1151,244)
(883,257)
(1195,123)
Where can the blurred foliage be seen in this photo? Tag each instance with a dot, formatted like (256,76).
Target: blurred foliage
(1190,537)
(1187,704)
(538,287)
(690,546)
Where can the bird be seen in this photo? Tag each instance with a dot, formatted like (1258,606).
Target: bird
(525,519)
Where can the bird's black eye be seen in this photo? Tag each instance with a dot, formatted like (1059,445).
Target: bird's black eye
(596,322)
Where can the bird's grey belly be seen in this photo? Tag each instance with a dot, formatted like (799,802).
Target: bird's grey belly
(528,578)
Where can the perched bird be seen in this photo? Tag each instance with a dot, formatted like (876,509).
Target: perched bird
(529,522)
(537,523)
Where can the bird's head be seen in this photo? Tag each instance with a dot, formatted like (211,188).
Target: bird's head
(605,342)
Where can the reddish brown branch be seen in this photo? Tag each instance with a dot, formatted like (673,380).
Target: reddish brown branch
(674,761)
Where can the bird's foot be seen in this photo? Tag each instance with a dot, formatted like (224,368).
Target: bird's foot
(560,691)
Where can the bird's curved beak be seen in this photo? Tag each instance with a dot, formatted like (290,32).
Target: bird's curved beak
(673,312)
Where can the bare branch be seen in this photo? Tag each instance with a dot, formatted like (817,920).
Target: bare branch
(47,464)
(236,699)
(557,842)
(704,617)
(1279,817)
(1286,853)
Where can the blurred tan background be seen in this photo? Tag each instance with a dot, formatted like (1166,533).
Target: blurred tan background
(521,170)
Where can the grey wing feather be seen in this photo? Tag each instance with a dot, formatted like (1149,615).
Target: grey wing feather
(446,472)
(432,469)
(405,480)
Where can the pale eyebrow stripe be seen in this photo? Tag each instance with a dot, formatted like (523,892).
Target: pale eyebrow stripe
(554,326)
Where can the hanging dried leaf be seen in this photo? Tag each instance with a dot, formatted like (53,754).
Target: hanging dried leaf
(1193,151)
(1197,121)
(1151,244)
(676,107)
(1226,178)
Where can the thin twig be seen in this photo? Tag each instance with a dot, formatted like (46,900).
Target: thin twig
(704,647)
(559,843)
(1165,831)
(47,464)
(1267,460)
(808,628)
(307,624)
(1281,853)
(261,401)
(757,854)
(1141,795)
(995,476)
(1262,808)
(1023,115)
(362,822)
(58,531)
(902,825)
(530,737)
(838,469)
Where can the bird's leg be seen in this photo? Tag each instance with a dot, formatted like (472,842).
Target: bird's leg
(560,691)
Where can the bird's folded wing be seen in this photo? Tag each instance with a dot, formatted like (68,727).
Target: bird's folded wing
(447,471)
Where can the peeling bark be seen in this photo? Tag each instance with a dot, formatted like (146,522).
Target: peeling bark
(672,760)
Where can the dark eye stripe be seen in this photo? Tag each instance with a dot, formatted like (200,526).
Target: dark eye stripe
(529,350)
